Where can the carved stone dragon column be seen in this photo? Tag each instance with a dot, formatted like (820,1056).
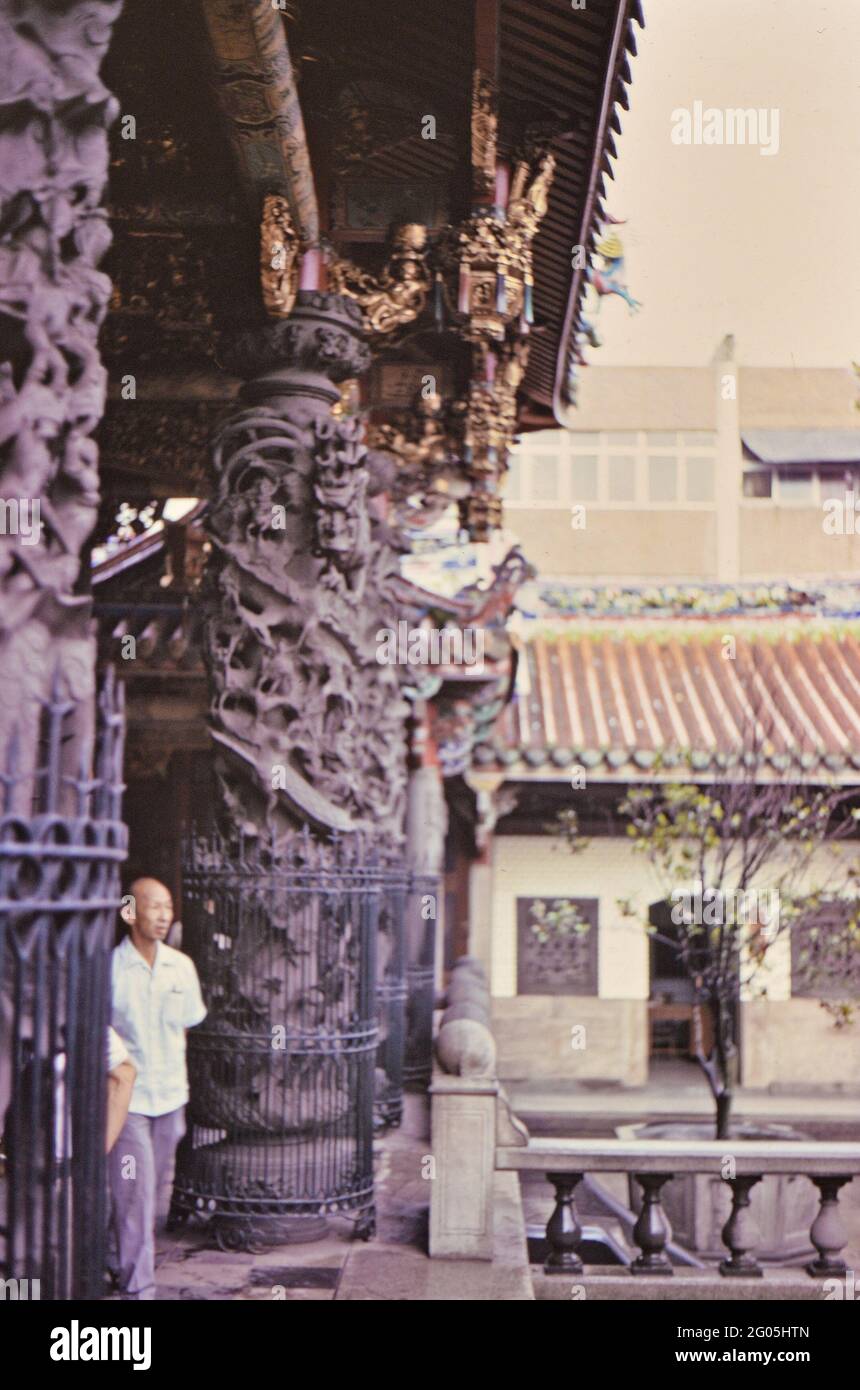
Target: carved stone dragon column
(308,724)
(54,115)
(59,798)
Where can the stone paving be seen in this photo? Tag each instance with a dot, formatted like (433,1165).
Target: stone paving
(189,1264)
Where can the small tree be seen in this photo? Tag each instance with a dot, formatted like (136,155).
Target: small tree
(748,847)
(559,919)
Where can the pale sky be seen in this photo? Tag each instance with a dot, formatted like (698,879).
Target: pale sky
(723,239)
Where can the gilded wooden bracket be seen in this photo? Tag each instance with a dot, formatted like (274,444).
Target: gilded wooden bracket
(279,257)
(485,98)
(399,293)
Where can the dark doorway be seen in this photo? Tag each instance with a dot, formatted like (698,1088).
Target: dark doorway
(671,1004)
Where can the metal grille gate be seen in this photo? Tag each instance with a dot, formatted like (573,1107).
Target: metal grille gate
(421,918)
(59,894)
(392,1001)
(282,1070)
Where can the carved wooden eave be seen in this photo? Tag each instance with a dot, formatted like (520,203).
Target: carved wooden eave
(575,62)
(568,119)
(395,298)
(319,188)
(266,132)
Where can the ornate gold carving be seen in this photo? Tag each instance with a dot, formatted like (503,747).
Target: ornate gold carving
(353,141)
(485,267)
(485,422)
(399,294)
(279,257)
(162,442)
(484,128)
(425,452)
(529,201)
(424,441)
(371,117)
(350,399)
(489,412)
(457,452)
(486,262)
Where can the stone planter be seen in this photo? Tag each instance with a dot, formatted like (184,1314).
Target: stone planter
(697,1205)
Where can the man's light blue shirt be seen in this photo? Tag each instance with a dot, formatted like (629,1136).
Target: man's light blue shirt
(151,1009)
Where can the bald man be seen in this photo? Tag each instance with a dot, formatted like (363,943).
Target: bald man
(155,998)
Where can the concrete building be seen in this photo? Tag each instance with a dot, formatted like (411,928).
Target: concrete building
(687,586)
(716,472)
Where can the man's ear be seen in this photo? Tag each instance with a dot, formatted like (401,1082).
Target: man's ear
(127,909)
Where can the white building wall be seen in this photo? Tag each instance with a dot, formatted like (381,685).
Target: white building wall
(785,1041)
(539,866)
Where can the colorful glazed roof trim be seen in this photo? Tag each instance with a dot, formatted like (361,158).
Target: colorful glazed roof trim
(635,709)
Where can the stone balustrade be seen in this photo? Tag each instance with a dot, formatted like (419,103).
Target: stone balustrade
(480,1148)
(740,1163)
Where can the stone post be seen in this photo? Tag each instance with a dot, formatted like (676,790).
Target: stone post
(471,1115)
(309,727)
(464,1153)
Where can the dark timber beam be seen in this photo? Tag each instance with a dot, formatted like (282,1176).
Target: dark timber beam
(255,85)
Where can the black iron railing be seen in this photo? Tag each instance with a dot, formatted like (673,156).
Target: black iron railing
(422,909)
(393,991)
(282,1070)
(59,894)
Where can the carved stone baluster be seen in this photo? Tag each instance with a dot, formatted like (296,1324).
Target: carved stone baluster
(740,1233)
(827,1232)
(651,1230)
(563,1231)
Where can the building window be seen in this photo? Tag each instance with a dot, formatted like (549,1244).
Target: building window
(800,487)
(514,479)
(662,478)
(796,489)
(622,478)
(544,478)
(758,483)
(670,978)
(700,479)
(583,475)
(621,469)
(835,483)
(823,954)
(557,942)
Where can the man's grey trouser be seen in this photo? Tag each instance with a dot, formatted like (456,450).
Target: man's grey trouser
(140,1166)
